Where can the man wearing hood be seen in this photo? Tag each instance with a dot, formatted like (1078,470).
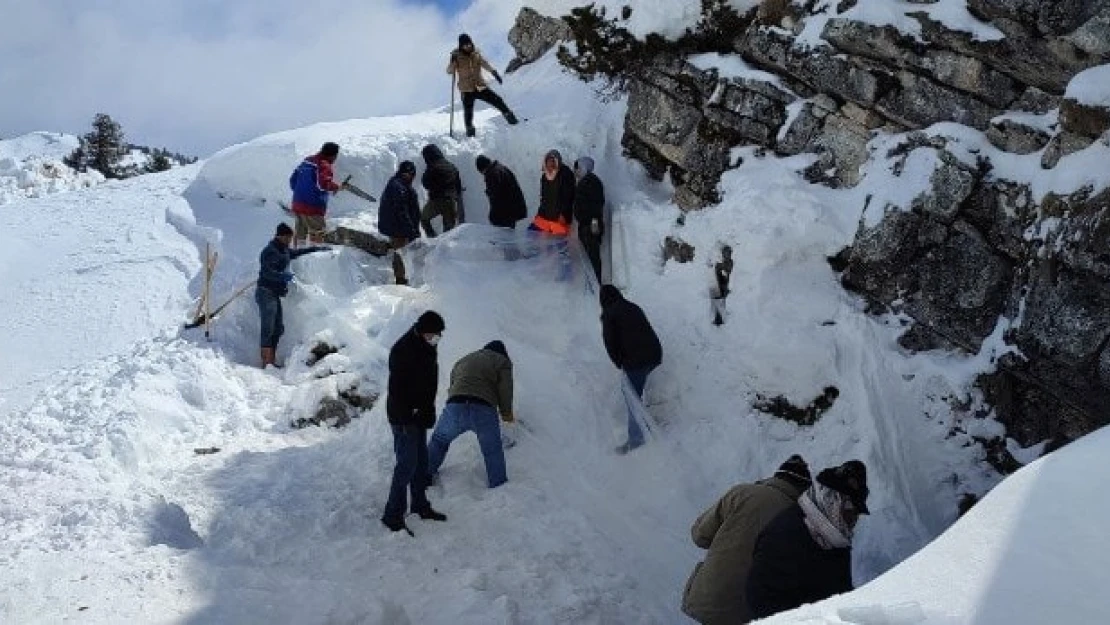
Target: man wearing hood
(399,215)
(467,64)
(444,186)
(481,388)
(805,554)
(410,406)
(633,347)
(506,201)
(715,593)
(557,188)
(589,211)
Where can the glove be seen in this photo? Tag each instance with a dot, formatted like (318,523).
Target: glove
(508,417)
(595,228)
(497,77)
(287,277)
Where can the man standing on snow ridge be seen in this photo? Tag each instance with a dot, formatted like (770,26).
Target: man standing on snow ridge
(589,211)
(312,182)
(481,387)
(506,201)
(632,346)
(399,215)
(715,594)
(273,284)
(444,186)
(467,64)
(411,408)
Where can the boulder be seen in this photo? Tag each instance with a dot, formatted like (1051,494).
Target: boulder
(532,35)
(1083,119)
(1061,145)
(1010,135)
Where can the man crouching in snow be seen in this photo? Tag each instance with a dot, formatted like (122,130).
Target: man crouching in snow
(481,386)
(273,284)
(715,593)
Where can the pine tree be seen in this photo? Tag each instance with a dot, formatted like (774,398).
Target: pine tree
(159,161)
(78,159)
(105,147)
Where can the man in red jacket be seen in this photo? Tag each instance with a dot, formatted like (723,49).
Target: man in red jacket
(312,183)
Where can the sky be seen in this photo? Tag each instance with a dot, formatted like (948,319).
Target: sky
(198,75)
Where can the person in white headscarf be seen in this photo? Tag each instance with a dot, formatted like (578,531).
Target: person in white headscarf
(805,554)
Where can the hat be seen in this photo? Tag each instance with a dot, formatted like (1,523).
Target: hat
(584,164)
(497,346)
(407,167)
(430,323)
(329,149)
(465,40)
(795,470)
(283,230)
(849,479)
(482,162)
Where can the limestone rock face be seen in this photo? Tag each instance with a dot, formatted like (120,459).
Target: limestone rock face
(533,35)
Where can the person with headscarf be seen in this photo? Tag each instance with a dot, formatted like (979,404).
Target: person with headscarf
(633,347)
(557,189)
(399,215)
(805,554)
(715,592)
(467,64)
(481,388)
(589,211)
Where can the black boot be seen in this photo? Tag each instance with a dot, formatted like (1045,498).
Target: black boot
(509,117)
(470,131)
(428,514)
(397,525)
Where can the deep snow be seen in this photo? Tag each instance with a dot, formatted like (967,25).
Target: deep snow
(110,516)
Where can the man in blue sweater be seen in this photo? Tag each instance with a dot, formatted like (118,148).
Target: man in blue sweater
(273,284)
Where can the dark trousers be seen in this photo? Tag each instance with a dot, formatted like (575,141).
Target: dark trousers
(485,95)
(638,379)
(269,312)
(410,447)
(591,243)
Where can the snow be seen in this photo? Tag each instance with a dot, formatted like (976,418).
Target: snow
(732,66)
(953,14)
(31,166)
(1091,87)
(110,516)
(1046,122)
(667,18)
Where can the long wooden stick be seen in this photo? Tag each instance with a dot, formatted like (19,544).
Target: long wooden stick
(454,74)
(210,268)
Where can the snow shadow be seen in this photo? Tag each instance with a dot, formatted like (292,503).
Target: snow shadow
(170,525)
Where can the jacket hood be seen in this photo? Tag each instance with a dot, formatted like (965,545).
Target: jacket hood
(584,165)
(609,295)
(554,154)
(431,153)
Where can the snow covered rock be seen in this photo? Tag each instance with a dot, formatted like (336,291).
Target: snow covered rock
(532,35)
(1085,109)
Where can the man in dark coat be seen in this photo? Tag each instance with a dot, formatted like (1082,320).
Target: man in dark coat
(557,188)
(715,594)
(399,215)
(410,406)
(805,554)
(444,186)
(589,211)
(632,346)
(506,200)
(273,284)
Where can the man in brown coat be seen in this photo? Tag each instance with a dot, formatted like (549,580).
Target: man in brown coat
(715,592)
(467,64)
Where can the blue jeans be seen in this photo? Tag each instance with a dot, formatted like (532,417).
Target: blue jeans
(456,420)
(638,379)
(269,312)
(410,446)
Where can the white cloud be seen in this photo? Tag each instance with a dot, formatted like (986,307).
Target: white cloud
(196,75)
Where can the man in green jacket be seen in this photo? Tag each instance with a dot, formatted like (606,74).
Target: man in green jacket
(715,592)
(481,387)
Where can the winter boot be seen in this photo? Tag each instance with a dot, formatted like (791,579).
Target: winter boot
(397,525)
(428,514)
(470,131)
(267,356)
(511,118)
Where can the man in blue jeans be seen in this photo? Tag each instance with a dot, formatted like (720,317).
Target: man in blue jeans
(273,284)
(410,406)
(481,387)
(633,347)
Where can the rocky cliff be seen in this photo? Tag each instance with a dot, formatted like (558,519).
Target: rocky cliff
(1007,239)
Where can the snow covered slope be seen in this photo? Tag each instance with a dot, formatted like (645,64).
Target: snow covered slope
(31,166)
(111,517)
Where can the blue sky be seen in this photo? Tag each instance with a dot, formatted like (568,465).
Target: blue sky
(199,75)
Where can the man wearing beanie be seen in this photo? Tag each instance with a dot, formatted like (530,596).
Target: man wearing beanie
(805,554)
(411,408)
(273,284)
(715,592)
(506,201)
(467,64)
(399,215)
(312,183)
(481,387)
